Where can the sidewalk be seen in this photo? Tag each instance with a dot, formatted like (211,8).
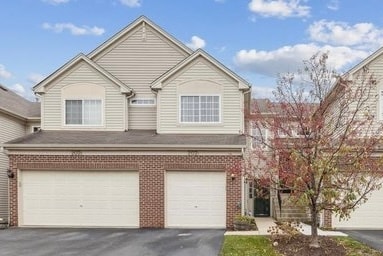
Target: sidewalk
(265,223)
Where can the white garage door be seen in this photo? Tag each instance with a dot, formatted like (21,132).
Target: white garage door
(367,216)
(79,198)
(196,199)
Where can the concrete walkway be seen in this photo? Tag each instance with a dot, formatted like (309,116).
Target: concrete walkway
(265,223)
(306,230)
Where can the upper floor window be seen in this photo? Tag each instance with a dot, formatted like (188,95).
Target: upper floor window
(200,109)
(83,112)
(142,102)
(260,137)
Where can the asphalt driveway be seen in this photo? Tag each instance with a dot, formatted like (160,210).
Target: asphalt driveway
(373,238)
(107,242)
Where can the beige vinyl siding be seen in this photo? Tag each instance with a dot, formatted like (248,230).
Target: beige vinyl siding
(376,104)
(11,128)
(216,83)
(113,103)
(137,60)
(142,118)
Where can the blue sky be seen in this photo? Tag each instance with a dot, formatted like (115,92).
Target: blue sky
(255,38)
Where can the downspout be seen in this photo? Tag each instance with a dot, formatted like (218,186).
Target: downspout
(128,96)
(8,191)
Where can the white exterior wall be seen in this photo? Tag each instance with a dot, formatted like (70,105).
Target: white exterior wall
(11,128)
(137,60)
(200,78)
(113,102)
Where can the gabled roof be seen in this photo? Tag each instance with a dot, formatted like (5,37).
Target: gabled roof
(354,69)
(242,84)
(15,105)
(366,61)
(40,87)
(130,27)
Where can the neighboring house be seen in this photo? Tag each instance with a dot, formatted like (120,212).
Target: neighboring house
(141,132)
(18,117)
(367,216)
(370,214)
(259,201)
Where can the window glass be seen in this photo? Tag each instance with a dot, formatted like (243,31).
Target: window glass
(142,102)
(73,112)
(83,112)
(204,109)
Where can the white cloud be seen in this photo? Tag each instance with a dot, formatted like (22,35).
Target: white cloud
(361,35)
(56,2)
(260,92)
(23,91)
(73,29)
(279,8)
(196,42)
(289,58)
(4,73)
(19,89)
(131,3)
(35,78)
(333,5)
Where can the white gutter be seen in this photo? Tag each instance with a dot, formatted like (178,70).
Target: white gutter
(95,147)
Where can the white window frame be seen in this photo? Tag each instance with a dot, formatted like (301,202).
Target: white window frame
(35,128)
(101,124)
(142,104)
(199,95)
(264,132)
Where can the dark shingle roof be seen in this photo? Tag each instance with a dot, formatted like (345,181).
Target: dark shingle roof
(14,103)
(128,138)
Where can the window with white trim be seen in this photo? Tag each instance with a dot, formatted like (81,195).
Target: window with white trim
(141,102)
(200,109)
(83,112)
(260,137)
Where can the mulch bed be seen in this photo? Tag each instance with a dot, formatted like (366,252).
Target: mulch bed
(299,245)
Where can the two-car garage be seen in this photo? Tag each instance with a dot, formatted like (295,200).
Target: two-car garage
(79,198)
(71,198)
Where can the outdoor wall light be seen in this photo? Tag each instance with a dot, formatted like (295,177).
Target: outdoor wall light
(10,174)
(232,176)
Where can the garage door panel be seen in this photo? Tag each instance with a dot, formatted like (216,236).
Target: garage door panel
(79,198)
(196,199)
(367,216)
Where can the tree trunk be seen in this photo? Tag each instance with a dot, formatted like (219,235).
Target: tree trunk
(314,228)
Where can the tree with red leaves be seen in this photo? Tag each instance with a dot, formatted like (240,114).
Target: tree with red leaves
(319,139)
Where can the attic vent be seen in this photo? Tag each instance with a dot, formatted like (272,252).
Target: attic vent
(143,31)
(3,88)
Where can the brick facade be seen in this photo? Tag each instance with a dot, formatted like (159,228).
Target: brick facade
(151,169)
(327,221)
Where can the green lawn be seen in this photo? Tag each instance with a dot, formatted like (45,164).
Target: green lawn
(354,248)
(261,245)
(247,246)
